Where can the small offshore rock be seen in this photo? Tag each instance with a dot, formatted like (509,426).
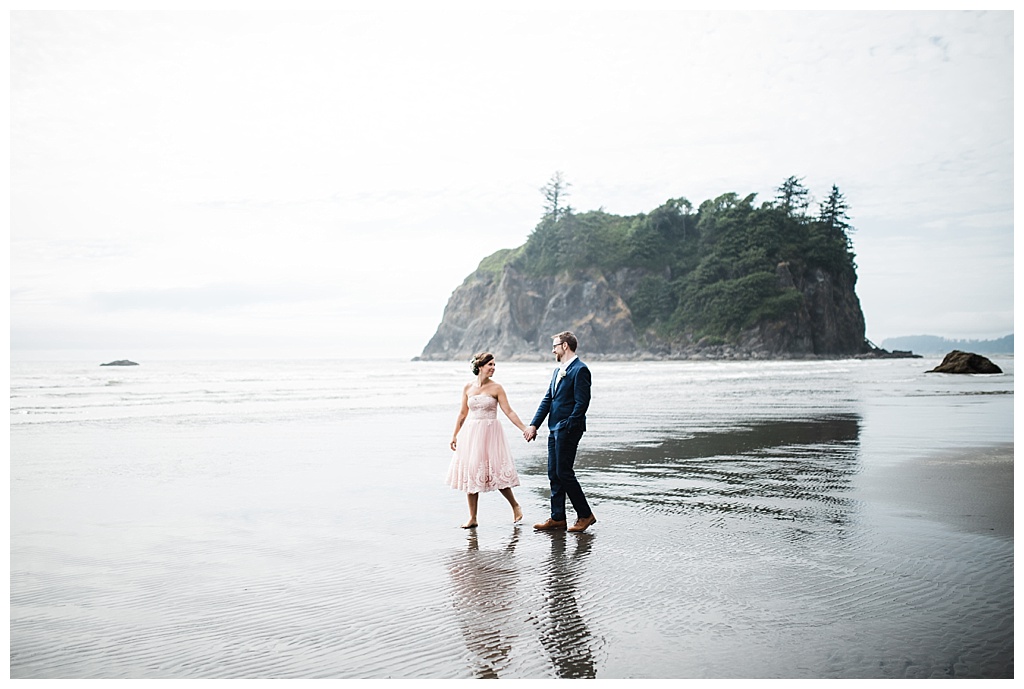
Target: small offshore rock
(965,362)
(120,362)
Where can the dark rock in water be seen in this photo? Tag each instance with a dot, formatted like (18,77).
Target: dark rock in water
(903,354)
(877,352)
(965,362)
(120,362)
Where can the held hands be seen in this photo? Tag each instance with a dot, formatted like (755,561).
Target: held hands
(530,433)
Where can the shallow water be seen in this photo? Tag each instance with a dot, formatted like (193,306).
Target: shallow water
(289,519)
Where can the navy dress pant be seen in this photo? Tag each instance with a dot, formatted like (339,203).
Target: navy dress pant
(561,458)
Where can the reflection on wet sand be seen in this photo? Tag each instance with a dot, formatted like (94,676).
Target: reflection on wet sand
(529,621)
(563,631)
(793,470)
(484,586)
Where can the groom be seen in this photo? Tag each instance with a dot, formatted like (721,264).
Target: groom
(565,405)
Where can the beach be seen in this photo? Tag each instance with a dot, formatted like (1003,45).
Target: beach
(970,490)
(849,519)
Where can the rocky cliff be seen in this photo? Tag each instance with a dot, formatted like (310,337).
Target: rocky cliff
(514,316)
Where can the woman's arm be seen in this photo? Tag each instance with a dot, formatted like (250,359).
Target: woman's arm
(463,413)
(507,408)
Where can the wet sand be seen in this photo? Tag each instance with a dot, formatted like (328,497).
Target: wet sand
(774,551)
(969,489)
(839,520)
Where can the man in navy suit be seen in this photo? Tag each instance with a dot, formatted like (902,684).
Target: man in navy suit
(565,406)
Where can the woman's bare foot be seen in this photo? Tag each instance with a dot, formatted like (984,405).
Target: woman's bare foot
(471,524)
(517,514)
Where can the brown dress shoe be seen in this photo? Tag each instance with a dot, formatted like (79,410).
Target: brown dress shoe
(583,522)
(550,525)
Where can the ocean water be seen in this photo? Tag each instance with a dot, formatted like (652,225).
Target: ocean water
(285,519)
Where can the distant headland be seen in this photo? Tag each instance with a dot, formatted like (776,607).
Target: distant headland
(933,344)
(120,362)
(729,279)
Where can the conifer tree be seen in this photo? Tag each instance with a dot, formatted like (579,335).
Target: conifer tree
(793,197)
(555,192)
(832,213)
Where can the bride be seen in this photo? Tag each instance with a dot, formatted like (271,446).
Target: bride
(483,458)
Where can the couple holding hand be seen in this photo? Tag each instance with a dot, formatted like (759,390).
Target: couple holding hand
(483,459)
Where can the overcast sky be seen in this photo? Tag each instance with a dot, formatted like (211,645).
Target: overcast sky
(318,184)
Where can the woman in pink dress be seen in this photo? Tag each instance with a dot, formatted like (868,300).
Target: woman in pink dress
(483,459)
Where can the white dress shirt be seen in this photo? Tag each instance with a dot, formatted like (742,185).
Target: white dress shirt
(563,366)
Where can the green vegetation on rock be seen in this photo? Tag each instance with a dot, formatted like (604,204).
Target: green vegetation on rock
(710,272)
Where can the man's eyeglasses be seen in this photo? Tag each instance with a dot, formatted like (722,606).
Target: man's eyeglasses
(556,346)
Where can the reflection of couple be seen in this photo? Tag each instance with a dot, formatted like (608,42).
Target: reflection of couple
(484,596)
(483,458)
(491,613)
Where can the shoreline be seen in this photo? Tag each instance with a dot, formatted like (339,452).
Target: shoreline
(707,356)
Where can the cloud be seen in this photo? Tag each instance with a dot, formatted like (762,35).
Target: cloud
(206,299)
(192,172)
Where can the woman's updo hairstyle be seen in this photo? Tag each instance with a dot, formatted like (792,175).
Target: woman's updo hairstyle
(479,360)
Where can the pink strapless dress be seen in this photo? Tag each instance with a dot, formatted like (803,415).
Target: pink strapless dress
(483,457)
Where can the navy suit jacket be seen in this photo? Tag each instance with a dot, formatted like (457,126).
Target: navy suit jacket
(565,405)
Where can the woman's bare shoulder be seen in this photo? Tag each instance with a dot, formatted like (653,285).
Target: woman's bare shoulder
(492,389)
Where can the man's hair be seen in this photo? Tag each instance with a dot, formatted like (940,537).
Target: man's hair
(568,338)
